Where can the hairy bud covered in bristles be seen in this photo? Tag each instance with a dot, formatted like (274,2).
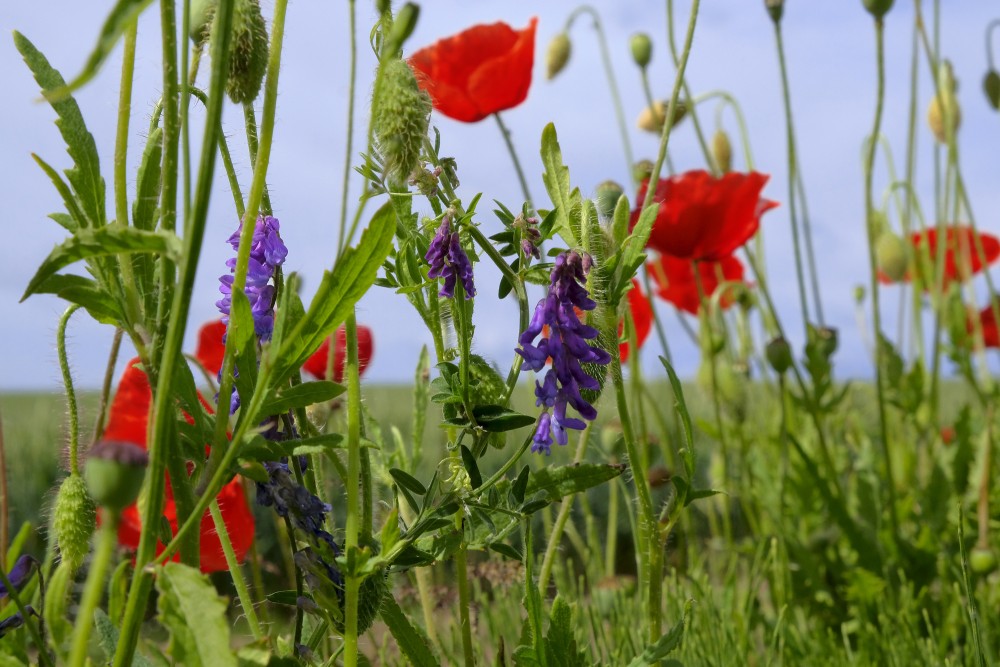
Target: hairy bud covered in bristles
(401,111)
(558,55)
(892,255)
(944,115)
(200,23)
(652,117)
(73,520)
(722,151)
(248,58)
(991,86)
(642,49)
(608,194)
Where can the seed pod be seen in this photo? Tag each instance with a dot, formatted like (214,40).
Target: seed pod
(779,355)
(200,23)
(991,86)
(642,170)
(892,255)
(776,8)
(73,521)
(560,49)
(878,8)
(608,194)
(642,49)
(722,151)
(114,473)
(248,59)
(401,111)
(651,118)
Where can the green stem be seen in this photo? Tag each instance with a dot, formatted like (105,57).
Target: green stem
(873,270)
(353,487)
(120,169)
(250,120)
(242,592)
(513,156)
(349,139)
(109,375)
(464,598)
(93,590)
(35,632)
(74,417)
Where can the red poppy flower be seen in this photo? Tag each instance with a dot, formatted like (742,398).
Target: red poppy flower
(642,319)
(703,217)
(961,255)
(988,322)
(128,421)
(479,71)
(676,283)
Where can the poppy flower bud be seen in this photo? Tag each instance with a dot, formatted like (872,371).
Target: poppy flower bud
(722,151)
(642,170)
(401,112)
(642,49)
(982,560)
(403,25)
(991,86)
(776,8)
(248,60)
(828,339)
(200,23)
(944,115)
(73,520)
(558,54)
(779,355)
(608,194)
(878,8)
(114,472)
(652,117)
(893,256)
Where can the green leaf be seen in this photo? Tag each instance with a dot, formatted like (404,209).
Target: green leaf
(561,648)
(84,292)
(147,189)
(196,616)
(107,636)
(407,481)
(301,395)
(556,176)
(122,15)
(289,312)
(560,481)
(666,644)
(520,485)
(469,461)
(85,176)
(680,405)
(497,419)
(100,242)
(411,642)
(289,598)
(339,290)
(76,218)
(620,220)
(505,549)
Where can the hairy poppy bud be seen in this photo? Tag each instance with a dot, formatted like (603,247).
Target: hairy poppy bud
(944,115)
(115,471)
(722,151)
(776,8)
(652,117)
(779,355)
(73,520)
(200,23)
(558,55)
(403,25)
(991,86)
(878,8)
(982,560)
(642,170)
(401,112)
(608,194)
(642,49)
(893,256)
(248,59)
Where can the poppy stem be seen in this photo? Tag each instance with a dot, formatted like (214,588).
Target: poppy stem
(109,374)
(74,418)
(94,589)
(349,138)
(513,156)
(353,483)
(239,582)
(652,108)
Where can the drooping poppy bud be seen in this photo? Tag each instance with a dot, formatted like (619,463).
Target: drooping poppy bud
(776,9)
(642,49)
(651,118)
(74,518)
(401,112)
(115,471)
(200,23)
(991,86)
(779,355)
(642,170)
(248,59)
(608,194)
(944,114)
(892,255)
(560,49)
(722,151)
(878,8)
(829,340)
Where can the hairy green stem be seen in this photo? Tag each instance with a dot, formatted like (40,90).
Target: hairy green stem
(239,582)
(349,138)
(353,529)
(513,156)
(74,415)
(93,590)
(132,302)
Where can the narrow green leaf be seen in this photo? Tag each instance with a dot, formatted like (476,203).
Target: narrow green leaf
(84,292)
(556,176)
(76,217)
(520,485)
(100,242)
(497,419)
(561,647)
(147,190)
(192,610)
(411,642)
(560,481)
(407,481)
(471,467)
(666,644)
(682,410)
(302,395)
(619,221)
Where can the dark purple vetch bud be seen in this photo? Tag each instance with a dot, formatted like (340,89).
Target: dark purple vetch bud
(15,620)
(19,575)
(530,236)
(448,260)
(115,472)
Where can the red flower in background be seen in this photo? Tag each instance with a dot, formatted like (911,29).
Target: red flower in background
(128,421)
(961,256)
(703,217)
(479,71)
(642,318)
(675,281)
(989,324)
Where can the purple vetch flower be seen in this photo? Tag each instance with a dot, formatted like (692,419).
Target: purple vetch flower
(23,568)
(567,347)
(449,261)
(530,236)
(267,253)
(16,620)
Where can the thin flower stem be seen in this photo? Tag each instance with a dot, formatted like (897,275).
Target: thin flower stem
(353,530)
(132,302)
(699,134)
(651,104)
(74,415)
(36,632)
(661,335)
(464,597)
(873,270)
(239,582)
(513,156)
(349,136)
(250,121)
(4,502)
(109,375)
(93,590)
(609,71)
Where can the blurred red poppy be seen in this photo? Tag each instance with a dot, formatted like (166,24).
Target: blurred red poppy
(703,217)
(988,321)
(128,421)
(316,364)
(676,283)
(642,318)
(479,71)
(961,256)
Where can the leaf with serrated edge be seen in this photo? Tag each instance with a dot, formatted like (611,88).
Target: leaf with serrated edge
(192,610)
(556,177)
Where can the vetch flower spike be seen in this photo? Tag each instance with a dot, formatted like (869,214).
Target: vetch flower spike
(449,261)
(267,253)
(567,347)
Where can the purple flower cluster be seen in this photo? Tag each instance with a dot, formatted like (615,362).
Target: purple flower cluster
(293,501)
(267,253)
(449,261)
(566,345)
(530,236)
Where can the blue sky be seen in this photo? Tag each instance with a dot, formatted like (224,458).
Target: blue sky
(831,50)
